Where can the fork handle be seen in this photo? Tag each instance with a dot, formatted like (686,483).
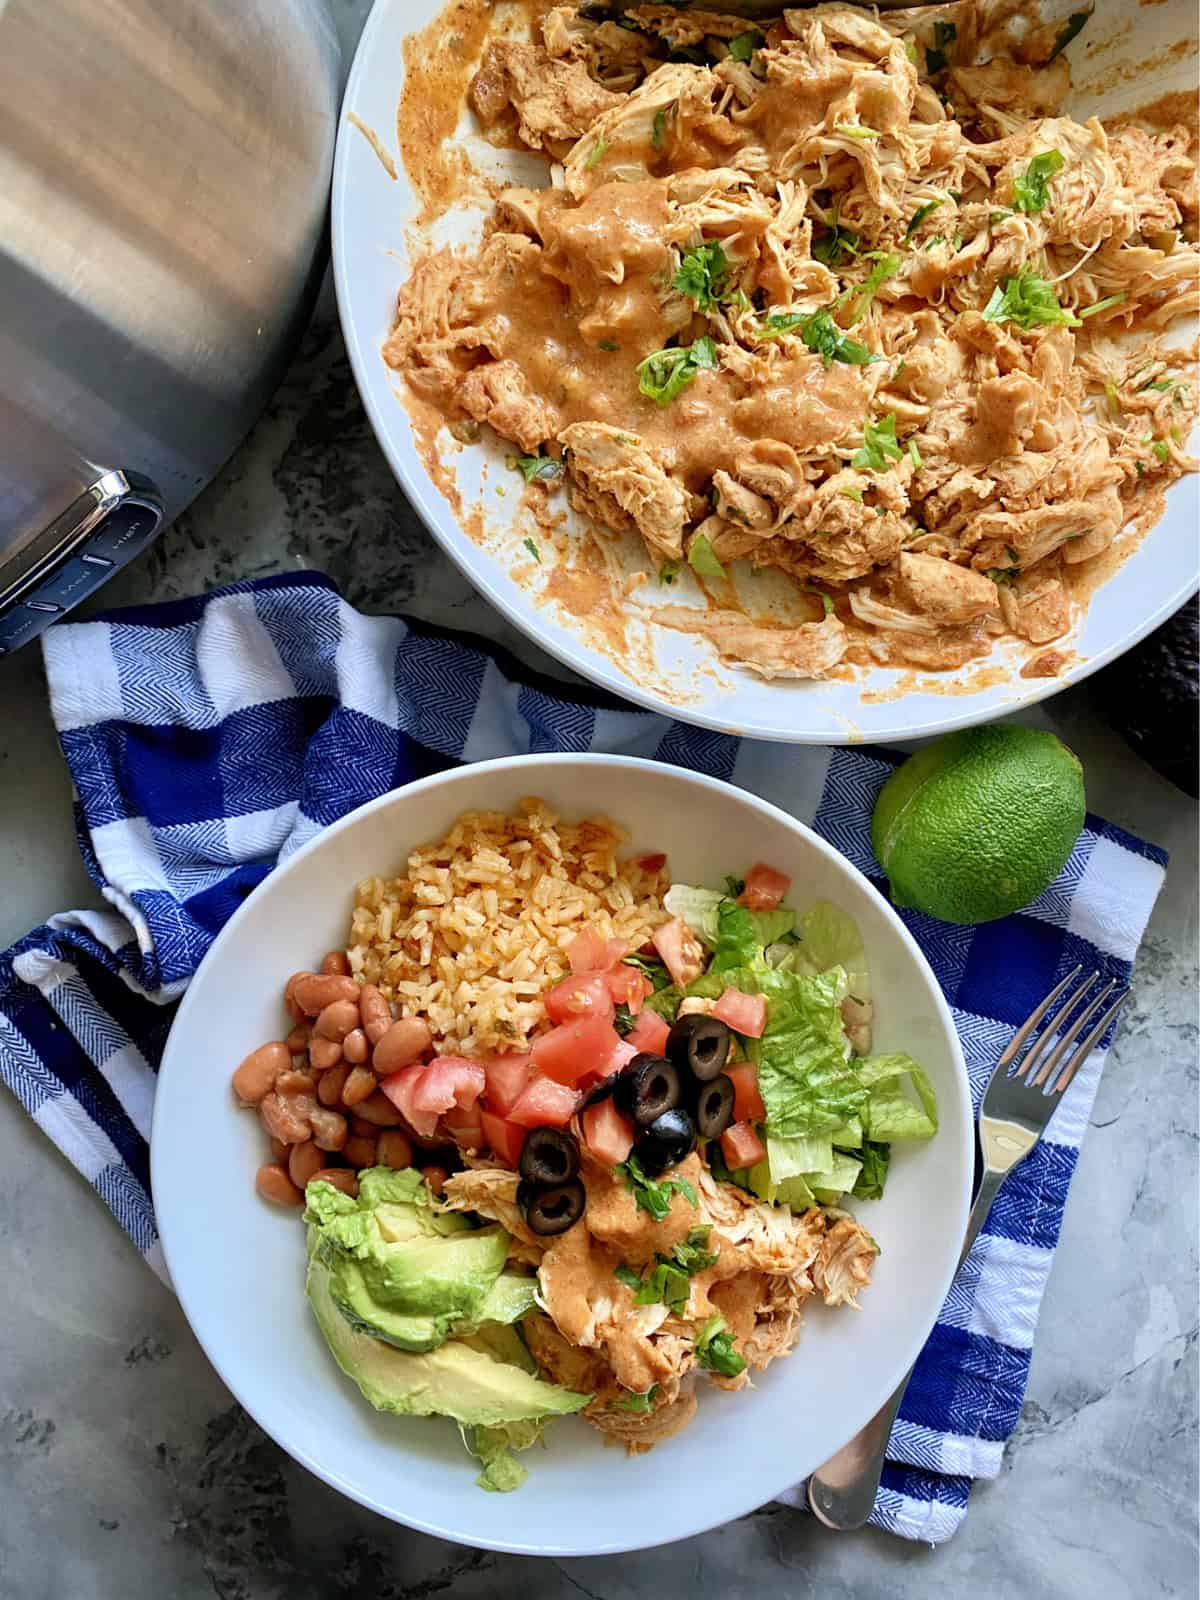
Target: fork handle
(842,1493)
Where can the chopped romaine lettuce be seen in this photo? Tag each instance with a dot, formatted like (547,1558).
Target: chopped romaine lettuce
(849,1136)
(697,907)
(792,1158)
(805,1076)
(840,1175)
(737,939)
(889,1113)
(870,1181)
(831,939)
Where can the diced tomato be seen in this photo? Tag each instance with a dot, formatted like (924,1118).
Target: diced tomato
(744,1013)
(588,952)
(629,987)
(764,888)
(622,1055)
(506,1078)
(504,1139)
(570,1052)
(608,1135)
(682,953)
(400,1088)
(747,1101)
(649,1033)
(544,1104)
(465,1127)
(741,1146)
(448,1081)
(585,994)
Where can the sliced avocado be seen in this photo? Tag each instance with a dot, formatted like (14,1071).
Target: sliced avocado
(434,1275)
(501,1342)
(406,1330)
(453,1381)
(512,1296)
(398,1223)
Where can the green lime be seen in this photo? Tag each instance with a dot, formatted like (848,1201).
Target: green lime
(977,824)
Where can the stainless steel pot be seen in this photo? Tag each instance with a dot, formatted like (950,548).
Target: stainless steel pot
(164,177)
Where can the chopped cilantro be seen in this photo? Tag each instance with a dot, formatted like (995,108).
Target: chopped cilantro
(661,119)
(734,887)
(852,494)
(914,455)
(609,344)
(536,469)
(715,1349)
(1161,386)
(1075,24)
(640,1404)
(860,295)
(654,1196)
(936,58)
(668,1281)
(702,560)
(702,274)
(857,131)
(1027,300)
(1113,398)
(1101,305)
(1162,450)
(835,246)
(666,373)
(743,45)
(919,215)
(1030,193)
(533,550)
(1002,575)
(811,588)
(624,1020)
(879,446)
(668,572)
(822,334)
(595,154)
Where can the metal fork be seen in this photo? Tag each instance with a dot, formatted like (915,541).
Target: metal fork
(1016,1108)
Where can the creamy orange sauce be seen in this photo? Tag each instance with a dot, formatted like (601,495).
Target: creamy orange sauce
(438,62)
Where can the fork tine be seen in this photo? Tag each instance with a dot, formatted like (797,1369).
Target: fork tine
(1044,1042)
(1034,1017)
(1055,1059)
(1089,1044)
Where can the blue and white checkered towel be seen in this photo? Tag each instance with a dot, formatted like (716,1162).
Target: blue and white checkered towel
(209,738)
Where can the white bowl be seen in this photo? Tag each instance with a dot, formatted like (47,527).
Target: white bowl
(238,1262)
(373,217)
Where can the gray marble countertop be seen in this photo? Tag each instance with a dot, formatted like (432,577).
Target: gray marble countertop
(128,1468)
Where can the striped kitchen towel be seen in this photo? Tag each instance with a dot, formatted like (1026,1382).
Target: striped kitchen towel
(209,738)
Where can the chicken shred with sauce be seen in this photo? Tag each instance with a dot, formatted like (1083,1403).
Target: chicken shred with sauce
(590,1334)
(834,294)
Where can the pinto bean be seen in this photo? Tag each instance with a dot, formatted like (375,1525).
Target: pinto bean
(285,1117)
(355,1047)
(340,1177)
(329,1085)
(314,991)
(328,1129)
(360,1152)
(403,1043)
(273,1183)
(304,1161)
(297,1040)
(293,1007)
(379,1110)
(335,963)
(358,1086)
(293,1083)
(324,1053)
(394,1149)
(376,1013)
(256,1075)
(279,1150)
(336,1021)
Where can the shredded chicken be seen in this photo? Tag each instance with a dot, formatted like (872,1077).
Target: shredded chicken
(837,296)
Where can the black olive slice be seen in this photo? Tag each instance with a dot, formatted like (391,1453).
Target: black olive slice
(549,1156)
(666,1141)
(553,1209)
(599,1091)
(647,1087)
(714,1106)
(699,1044)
